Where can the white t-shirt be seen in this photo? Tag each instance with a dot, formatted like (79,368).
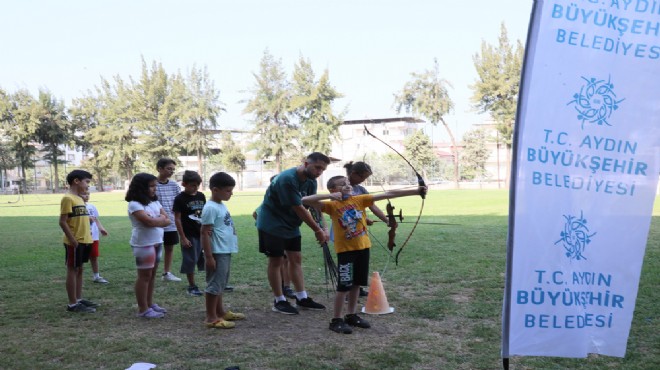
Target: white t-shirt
(143,235)
(91,209)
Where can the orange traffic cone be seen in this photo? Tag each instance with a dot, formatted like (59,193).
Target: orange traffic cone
(376,300)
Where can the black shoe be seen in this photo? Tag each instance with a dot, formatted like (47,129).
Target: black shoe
(285,308)
(194,291)
(89,304)
(80,308)
(363,293)
(339,326)
(288,292)
(309,304)
(355,320)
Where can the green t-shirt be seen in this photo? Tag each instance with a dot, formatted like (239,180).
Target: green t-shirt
(276,217)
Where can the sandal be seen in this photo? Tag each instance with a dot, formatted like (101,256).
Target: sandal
(232,316)
(220,324)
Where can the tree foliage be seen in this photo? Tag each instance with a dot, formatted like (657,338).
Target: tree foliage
(474,155)
(426,95)
(270,107)
(419,151)
(311,105)
(496,89)
(53,131)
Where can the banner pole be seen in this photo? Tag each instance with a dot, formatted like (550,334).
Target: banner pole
(517,129)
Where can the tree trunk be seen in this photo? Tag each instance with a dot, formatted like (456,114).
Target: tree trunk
(200,163)
(56,188)
(454,149)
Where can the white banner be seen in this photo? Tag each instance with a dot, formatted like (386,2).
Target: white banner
(584,177)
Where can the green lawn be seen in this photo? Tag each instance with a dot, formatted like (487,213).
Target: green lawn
(447,292)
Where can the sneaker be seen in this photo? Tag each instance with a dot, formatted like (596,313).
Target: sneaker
(87,303)
(194,291)
(339,326)
(229,288)
(288,292)
(100,280)
(81,308)
(151,314)
(285,308)
(363,293)
(168,276)
(158,308)
(309,304)
(355,320)
(233,316)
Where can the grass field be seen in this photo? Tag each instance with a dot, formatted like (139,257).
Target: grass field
(447,292)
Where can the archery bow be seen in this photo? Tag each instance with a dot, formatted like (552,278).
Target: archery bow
(420,182)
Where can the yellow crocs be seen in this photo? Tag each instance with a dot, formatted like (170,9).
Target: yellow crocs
(232,316)
(220,324)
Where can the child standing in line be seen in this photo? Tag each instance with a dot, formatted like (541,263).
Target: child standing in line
(187,209)
(351,244)
(148,219)
(97,229)
(219,241)
(166,190)
(74,221)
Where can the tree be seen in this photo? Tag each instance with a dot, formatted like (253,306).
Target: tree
(419,150)
(233,158)
(54,130)
(496,90)
(198,112)
(85,114)
(311,104)
(117,126)
(269,106)
(152,105)
(20,127)
(426,95)
(475,154)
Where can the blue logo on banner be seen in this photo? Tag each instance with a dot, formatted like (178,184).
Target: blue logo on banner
(596,101)
(575,237)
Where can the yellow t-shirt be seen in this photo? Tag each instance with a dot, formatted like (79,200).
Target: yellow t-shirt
(349,222)
(77,218)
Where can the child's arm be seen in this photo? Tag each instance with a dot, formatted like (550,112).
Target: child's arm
(179,228)
(101,228)
(67,230)
(379,213)
(205,238)
(396,193)
(315,200)
(160,221)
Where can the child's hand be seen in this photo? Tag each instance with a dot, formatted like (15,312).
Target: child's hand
(103,232)
(336,196)
(186,243)
(370,222)
(322,235)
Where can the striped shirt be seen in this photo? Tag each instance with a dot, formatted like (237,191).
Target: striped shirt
(166,192)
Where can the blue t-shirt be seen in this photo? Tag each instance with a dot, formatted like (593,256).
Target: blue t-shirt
(276,216)
(223,238)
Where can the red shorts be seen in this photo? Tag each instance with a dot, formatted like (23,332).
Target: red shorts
(95,249)
(74,257)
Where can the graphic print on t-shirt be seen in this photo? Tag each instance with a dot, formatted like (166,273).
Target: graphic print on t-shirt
(349,218)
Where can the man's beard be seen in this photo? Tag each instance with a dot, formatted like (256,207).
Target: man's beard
(309,174)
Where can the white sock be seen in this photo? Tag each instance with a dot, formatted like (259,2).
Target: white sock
(96,275)
(301,295)
(280,298)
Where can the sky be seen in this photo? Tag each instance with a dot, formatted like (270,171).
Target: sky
(369,47)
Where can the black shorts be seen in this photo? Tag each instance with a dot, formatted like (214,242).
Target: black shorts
(74,257)
(170,238)
(353,269)
(274,246)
